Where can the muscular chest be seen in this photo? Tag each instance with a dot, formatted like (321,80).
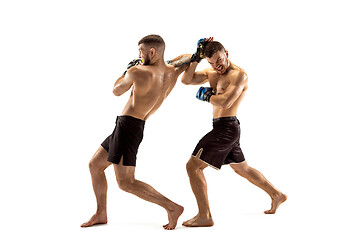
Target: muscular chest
(220,84)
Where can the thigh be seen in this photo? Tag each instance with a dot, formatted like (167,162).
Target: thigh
(99,160)
(124,173)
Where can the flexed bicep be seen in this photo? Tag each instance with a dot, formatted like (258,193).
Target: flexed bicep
(190,77)
(123,84)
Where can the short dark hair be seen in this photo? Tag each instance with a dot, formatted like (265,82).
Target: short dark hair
(152,40)
(213,47)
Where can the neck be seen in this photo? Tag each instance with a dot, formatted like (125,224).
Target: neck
(158,62)
(229,63)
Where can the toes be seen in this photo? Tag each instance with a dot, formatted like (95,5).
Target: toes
(167,227)
(188,222)
(269,212)
(85,224)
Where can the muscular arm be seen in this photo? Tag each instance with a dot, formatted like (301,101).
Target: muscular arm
(231,94)
(180,63)
(190,77)
(123,84)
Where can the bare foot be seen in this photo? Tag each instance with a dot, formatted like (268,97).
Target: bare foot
(96,219)
(173,217)
(198,221)
(276,201)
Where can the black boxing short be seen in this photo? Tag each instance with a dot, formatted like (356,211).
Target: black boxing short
(125,140)
(222,144)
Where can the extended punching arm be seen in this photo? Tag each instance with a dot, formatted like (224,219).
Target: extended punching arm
(181,61)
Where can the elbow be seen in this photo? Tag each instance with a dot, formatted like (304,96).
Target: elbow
(185,81)
(115,92)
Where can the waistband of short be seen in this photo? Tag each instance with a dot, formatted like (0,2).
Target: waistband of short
(220,119)
(130,118)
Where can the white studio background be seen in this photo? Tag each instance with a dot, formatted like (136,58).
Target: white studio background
(300,121)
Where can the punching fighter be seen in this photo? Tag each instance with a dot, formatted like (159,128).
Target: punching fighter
(151,80)
(221,146)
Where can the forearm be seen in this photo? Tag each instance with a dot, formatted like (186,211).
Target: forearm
(221,101)
(227,99)
(180,63)
(180,60)
(188,76)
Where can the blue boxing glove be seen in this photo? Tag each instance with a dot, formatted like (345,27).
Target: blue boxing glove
(204,94)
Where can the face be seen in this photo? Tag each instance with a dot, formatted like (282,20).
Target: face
(145,53)
(219,61)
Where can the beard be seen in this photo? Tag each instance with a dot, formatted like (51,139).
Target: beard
(146,61)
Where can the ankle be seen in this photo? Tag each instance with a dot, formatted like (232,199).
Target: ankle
(276,194)
(172,207)
(205,215)
(101,212)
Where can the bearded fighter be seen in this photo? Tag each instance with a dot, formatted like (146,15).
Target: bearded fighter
(151,80)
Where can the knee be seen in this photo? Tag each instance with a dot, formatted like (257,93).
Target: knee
(192,167)
(94,168)
(242,170)
(125,184)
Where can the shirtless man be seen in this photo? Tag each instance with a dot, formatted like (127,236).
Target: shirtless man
(228,85)
(152,81)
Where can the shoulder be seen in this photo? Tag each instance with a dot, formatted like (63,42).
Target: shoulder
(139,75)
(239,76)
(137,72)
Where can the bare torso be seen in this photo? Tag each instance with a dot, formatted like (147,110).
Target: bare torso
(151,85)
(220,84)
